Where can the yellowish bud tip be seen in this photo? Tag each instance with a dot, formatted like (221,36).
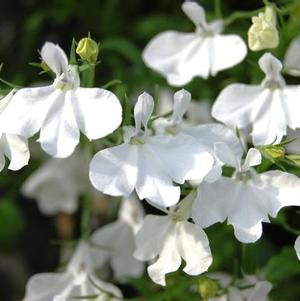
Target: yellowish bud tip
(276,152)
(263,33)
(88,50)
(208,288)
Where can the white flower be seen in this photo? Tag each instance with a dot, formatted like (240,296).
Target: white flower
(149,164)
(78,280)
(12,146)
(115,242)
(168,240)
(236,290)
(182,56)
(269,107)
(58,183)
(58,111)
(263,32)
(291,61)
(297,247)
(247,199)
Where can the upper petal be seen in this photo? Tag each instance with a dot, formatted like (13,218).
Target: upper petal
(143,110)
(60,134)
(193,247)
(182,100)
(194,12)
(55,58)
(271,66)
(97,111)
(114,170)
(291,61)
(297,247)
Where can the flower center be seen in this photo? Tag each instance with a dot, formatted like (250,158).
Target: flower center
(243,176)
(273,84)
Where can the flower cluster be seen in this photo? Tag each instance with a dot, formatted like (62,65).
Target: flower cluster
(167,160)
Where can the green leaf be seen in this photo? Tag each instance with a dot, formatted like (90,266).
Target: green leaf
(283,266)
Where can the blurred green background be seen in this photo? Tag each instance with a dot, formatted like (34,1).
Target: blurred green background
(123,28)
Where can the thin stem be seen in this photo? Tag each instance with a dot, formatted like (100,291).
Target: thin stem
(88,76)
(218,9)
(85,218)
(241,15)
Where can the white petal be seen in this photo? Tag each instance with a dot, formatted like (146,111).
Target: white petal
(194,248)
(270,122)
(213,202)
(132,212)
(55,58)
(178,56)
(226,51)
(154,181)
(60,134)
(193,162)
(249,234)
(114,170)
(149,237)
(116,244)
(279,189)
(16,149)
(225,154)
(143,110)
(297,247)
(2,162)
(237,104)
(292,58)
(291,106)
(271,66)
(194,12)
(169,259)
(260,291)
(253,158)
(27,110)
(182,100)
(97,111)
(6,100)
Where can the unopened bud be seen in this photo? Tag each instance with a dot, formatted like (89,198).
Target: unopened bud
(208,288)
(263,32)
(276,152)
(88,50)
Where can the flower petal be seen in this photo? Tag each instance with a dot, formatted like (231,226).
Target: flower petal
(193,247)
(271,66)
(25,113)
(237,104)
(55,58)
(16,149)
(226,51)
(194,12)
(143,110)
(297,247)
(292,58)
(182,100)
(153,181)
(253,158)
(178,56)
(114,170)
(97,111)
(59,133)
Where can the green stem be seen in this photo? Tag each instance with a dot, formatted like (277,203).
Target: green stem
(88,76)
(85,218)
(241,15)
(218,10)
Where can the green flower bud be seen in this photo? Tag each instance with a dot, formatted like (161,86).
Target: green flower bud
(263,32)
(208,288)
(276,152)
(88,50)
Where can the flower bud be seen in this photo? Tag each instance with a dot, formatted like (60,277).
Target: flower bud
(88,50)
(207,288)
(276,152)
(263,32)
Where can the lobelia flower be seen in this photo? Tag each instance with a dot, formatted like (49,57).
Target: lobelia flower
(116,241)
(297,247)
(77,281)
(291,61)
(247,199)
(236,290)
(207,134)
(12,146)
(58,183)
(182,56)
(169,239)
(269,108)
(149,164)
(263,32)
(58,111)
